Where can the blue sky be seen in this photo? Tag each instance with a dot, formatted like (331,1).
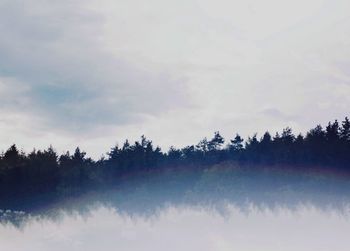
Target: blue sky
(92,73)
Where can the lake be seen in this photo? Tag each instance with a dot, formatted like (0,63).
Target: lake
(211,210)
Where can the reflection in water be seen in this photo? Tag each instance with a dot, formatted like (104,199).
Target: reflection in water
(181,228)
(219,209)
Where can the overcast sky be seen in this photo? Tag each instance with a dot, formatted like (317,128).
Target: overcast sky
(94,72)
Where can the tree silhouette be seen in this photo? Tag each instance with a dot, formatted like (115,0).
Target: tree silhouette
(236,145)
(216,142)
(44,172)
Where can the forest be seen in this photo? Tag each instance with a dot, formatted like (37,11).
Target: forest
(24,175)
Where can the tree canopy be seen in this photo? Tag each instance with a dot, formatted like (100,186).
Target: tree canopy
(47,171)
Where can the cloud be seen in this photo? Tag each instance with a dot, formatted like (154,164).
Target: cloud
(54,56)
(81,71)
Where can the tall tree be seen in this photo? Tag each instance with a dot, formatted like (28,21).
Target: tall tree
(345,130)
(216,142)
(236,144)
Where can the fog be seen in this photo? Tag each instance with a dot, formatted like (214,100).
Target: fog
(185,228)
(214,209)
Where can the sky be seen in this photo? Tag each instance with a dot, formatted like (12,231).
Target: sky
(92,73)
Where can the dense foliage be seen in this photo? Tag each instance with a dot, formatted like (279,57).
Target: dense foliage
(46,172)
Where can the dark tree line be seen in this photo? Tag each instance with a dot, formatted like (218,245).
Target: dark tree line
(70,173)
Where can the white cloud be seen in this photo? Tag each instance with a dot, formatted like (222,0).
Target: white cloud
(176,71)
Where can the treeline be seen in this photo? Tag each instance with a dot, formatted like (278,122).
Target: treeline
(45,171)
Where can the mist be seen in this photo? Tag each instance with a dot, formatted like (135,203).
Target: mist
(218,209)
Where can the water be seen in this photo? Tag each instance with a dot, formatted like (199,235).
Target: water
(180,228)
(212,211)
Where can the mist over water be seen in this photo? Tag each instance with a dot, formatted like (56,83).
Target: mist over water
(183,228)
(215,209)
